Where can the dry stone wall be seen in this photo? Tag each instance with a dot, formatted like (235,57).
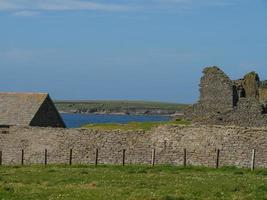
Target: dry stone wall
(201,142)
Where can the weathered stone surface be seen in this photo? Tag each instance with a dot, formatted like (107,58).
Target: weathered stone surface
(201,142)
(226,102)
(218,96)
(23,109)
(263,95)
(240,88)
(251,85)
(215,80)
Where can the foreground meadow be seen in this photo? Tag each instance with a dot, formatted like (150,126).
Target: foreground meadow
(131,182)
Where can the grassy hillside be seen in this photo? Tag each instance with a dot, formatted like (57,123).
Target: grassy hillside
(127,107)
(131,182)
(146,126)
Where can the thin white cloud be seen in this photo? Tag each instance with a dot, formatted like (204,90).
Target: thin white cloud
(15,55)
(23,55)
(8,5)
(197,3)
(59,5)
(26,13)
(31,7)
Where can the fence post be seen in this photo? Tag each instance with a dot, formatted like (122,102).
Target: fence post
(45,156)
(185,157)
(123,157)
(153,157)
(1,155)
(253,158)
(22,157)
(217,158)
(70,160)
(96,157)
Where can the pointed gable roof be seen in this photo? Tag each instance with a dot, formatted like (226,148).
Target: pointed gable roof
(19,108)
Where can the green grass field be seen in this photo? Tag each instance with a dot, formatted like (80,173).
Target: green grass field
(131,182)
(146,126)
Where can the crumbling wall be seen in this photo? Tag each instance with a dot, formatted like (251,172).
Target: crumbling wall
(263,95)
(222,101)
(212,102)
(215,80)
(251,85)
(240,88)
(249,113)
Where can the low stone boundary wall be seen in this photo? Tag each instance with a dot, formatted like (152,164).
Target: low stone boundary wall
(201,144)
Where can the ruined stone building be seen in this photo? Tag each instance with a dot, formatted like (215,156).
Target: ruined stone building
(28,109)
(230,102)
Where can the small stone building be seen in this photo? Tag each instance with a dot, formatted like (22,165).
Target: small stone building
(230,102)
(29,109)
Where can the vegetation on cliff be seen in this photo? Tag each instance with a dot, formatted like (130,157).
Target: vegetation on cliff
(130,182)
(123,107)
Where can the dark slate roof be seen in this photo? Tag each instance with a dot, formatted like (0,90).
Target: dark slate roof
(19,108)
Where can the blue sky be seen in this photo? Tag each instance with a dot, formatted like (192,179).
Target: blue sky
(135,49)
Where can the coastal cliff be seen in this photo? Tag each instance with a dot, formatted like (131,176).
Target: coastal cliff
(120,107)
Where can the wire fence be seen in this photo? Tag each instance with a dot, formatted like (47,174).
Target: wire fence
(45,157)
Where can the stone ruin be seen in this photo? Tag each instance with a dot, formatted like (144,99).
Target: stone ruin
(224,101)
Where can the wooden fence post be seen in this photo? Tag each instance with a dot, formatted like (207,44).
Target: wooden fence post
(253,158)
(22,157)
(45,156)
(217,158)
(1,155)
(70,160)
(185,157)
(96,157)
(123,157)
(153,157)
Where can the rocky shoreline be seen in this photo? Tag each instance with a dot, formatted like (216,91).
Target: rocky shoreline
(143,112)
(121,108)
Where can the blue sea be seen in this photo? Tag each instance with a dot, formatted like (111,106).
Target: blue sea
(77,120)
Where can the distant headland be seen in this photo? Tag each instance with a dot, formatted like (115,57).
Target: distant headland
(120,107)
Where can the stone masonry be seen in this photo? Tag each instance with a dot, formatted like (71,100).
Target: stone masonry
(226,102)
(201,142)
(28,109)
